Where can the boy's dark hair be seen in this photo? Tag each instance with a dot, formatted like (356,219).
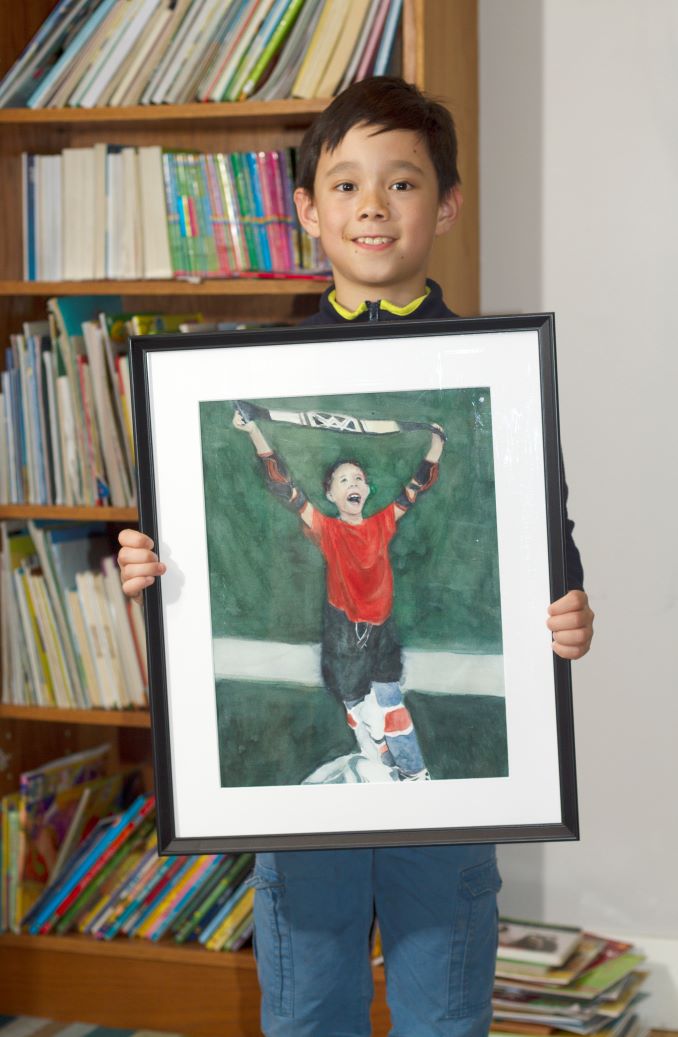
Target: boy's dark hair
(387,103)
(329,472)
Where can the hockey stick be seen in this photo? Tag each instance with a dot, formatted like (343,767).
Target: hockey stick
(333,422)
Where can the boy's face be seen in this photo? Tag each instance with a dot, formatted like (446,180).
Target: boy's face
(376,209)
(349,491)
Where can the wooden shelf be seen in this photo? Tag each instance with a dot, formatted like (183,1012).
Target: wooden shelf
(99,717)
(62,514)
(265,286)
(131,950)
(135,983)
(289,112)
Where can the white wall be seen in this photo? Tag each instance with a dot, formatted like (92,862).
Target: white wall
(579,203)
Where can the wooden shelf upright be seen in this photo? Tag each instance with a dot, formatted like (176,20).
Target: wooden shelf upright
(127,983)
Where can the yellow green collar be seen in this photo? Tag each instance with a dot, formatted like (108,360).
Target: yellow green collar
(397,311)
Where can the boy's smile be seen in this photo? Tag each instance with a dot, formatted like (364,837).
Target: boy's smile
(376,209)
(349,491)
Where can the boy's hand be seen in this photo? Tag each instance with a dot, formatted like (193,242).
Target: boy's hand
(438,439)
(242,425)
(138,563)
(571,622)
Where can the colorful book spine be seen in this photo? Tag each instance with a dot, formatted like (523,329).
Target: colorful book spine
(183,892)
(193,926)
(218,223)
(209,935)
(255,200)
(94,861)
(172,208)
(148,897)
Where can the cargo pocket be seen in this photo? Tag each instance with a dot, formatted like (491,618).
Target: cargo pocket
(474,940)
(272,941)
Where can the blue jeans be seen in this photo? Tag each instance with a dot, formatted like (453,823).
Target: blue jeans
(437,913)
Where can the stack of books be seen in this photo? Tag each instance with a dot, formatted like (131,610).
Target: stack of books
(94,53)
(112,212)
(79,853)
(65,407)
(68,635)
(65,411)
(558,980)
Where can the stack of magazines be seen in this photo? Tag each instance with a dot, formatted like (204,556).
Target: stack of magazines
(559,980)
(95,53)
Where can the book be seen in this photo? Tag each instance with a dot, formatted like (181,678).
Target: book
(533,942)
(39,55)
(328,30)
(283,25)
(346,44)
(387,38)
(583,957)
(279,82)
(91,864)
(157,260)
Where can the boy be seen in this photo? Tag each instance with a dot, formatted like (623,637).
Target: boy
(378,182)
(360,653)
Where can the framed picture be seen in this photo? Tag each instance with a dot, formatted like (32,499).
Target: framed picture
(363,527)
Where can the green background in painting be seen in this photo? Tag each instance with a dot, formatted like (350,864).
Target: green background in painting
(267,580)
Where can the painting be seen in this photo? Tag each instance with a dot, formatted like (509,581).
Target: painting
(362,530)
(434,706)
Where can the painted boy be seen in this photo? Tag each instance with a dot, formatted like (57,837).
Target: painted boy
(378,182)
(360,654)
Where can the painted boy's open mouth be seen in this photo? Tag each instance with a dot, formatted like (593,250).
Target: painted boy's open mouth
(354,498)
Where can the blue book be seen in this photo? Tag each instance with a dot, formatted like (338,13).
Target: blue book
(387,38)
(260,213)
(71,311)
(30,251)
(78,872)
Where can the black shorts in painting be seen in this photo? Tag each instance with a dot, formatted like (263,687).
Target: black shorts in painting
(355,654)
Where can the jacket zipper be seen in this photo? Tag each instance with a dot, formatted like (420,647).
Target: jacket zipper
(373,309)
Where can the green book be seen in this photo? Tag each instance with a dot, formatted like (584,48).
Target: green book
(255,260)
(218,896)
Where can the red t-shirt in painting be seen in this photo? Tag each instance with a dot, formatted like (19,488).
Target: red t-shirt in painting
(359,575)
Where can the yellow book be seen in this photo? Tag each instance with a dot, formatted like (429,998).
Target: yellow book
(244,906)
(346,44)
(48,698)
(328,30)
(83,649)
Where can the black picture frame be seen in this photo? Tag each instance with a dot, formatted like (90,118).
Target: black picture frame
(167,372)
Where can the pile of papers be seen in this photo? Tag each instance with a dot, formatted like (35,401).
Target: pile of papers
(561,980)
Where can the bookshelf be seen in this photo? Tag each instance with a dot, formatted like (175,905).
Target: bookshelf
(126,983)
